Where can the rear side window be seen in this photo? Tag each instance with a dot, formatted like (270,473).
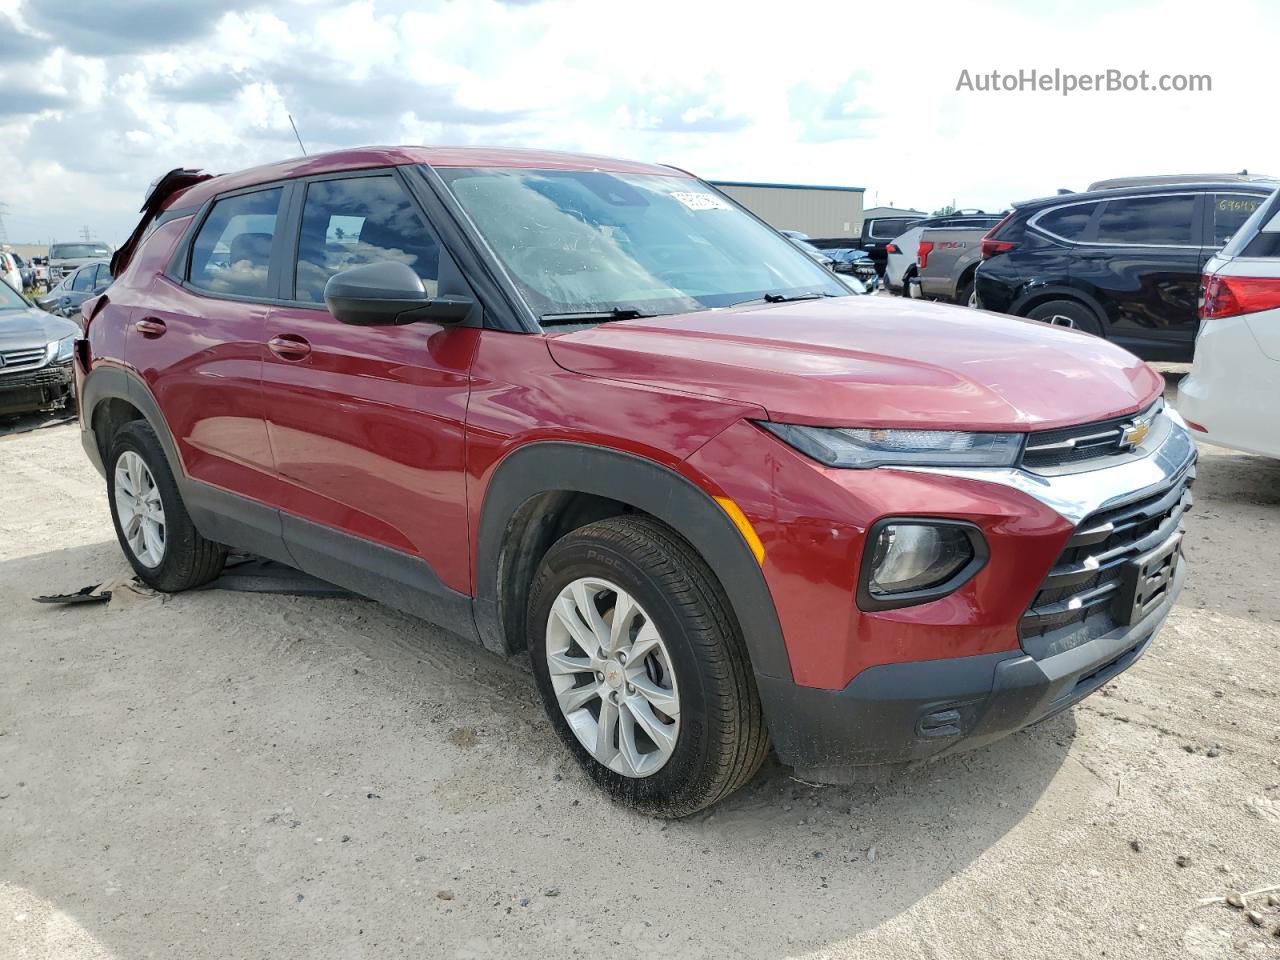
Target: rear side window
(232,252)
(1067,222)
(83,279)
(888,229)
(347,223)
(1230,211)
(1159,221)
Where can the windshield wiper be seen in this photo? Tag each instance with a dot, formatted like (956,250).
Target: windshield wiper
(595,316)
(784,298)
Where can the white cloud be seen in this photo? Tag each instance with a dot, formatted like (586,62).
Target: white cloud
(799,93)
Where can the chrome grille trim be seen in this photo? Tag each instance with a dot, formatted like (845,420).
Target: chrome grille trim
(16,361)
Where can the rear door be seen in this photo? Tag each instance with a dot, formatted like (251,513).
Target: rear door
(197,341)
(1140,258)
(366,423)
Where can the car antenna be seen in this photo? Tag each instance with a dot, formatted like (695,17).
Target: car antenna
(295,133)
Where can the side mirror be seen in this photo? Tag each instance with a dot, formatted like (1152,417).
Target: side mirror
(388,293)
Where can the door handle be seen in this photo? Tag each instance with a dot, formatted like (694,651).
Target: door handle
(150,327)
(289,346)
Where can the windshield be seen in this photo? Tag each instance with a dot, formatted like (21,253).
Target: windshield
(579,241)
(10,299)
(77,251)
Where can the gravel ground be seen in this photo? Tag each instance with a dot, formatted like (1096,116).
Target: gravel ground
(228,775)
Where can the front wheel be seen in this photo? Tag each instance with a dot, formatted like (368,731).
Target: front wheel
(642,669)
(151,521)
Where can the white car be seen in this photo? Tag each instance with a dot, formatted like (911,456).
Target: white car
(901,265)
(1233,391)
(9,271)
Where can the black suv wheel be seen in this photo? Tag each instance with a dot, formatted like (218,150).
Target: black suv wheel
(1067,313)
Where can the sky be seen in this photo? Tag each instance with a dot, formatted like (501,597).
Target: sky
(99,97)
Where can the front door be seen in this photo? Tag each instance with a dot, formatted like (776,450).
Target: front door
(366,423)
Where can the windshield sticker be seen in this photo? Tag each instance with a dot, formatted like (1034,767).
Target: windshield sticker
(701,201)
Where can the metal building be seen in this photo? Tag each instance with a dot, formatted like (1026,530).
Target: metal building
(820,212)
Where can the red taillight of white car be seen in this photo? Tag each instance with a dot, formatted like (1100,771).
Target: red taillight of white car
(922,253)
(1232,296)
(992,246)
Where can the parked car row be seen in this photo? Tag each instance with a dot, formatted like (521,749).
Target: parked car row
(901,266)
(852,265)
(1122,260)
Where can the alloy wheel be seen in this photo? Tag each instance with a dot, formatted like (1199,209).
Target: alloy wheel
(139,509)
(612,677)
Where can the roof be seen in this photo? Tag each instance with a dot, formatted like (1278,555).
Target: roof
(784,186)
(874,212)
(360,158)
(1172,178)
(1220,186)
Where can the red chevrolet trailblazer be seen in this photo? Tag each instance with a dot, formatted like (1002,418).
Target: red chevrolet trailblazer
(596,411)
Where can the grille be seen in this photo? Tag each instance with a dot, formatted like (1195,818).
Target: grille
(46,377)
(1076,602)
(19,359)
(1087,441)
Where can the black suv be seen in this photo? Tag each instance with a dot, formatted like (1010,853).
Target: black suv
(1124,263)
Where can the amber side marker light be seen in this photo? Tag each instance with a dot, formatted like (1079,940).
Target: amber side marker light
(744,527)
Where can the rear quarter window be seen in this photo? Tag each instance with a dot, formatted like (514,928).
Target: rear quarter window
(1230,211)
(1067,222)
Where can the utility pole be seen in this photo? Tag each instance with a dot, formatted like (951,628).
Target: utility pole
(86,234)
(4,233)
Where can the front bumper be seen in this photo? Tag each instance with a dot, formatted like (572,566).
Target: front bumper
(904,712)
(47,388)
(883,687)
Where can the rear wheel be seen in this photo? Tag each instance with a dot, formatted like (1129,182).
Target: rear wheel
(151,521)
(1067,313)
(642,670)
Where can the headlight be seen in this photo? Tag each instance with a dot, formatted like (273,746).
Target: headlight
(872,447)
(61,351)
(909,561)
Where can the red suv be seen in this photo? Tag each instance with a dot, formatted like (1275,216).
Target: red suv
(596,411)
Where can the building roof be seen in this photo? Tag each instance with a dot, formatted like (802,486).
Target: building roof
(368,157)
(874,212)
(784,186)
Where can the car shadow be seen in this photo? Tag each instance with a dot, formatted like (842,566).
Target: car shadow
(240,774)
(11,424)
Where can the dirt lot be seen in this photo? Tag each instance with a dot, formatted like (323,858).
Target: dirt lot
(228,775)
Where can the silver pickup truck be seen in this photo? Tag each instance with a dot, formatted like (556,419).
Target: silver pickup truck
(946,261)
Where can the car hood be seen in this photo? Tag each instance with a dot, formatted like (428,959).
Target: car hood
(873,361)
(24,329)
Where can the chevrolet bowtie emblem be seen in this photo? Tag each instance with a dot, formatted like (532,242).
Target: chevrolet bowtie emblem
(1134,433)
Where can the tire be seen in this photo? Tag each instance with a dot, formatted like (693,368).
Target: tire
(715,731)
(1080,316)
(966,294)
(185,559)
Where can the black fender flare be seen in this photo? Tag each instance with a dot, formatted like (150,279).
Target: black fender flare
(553,466)
(116,383)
